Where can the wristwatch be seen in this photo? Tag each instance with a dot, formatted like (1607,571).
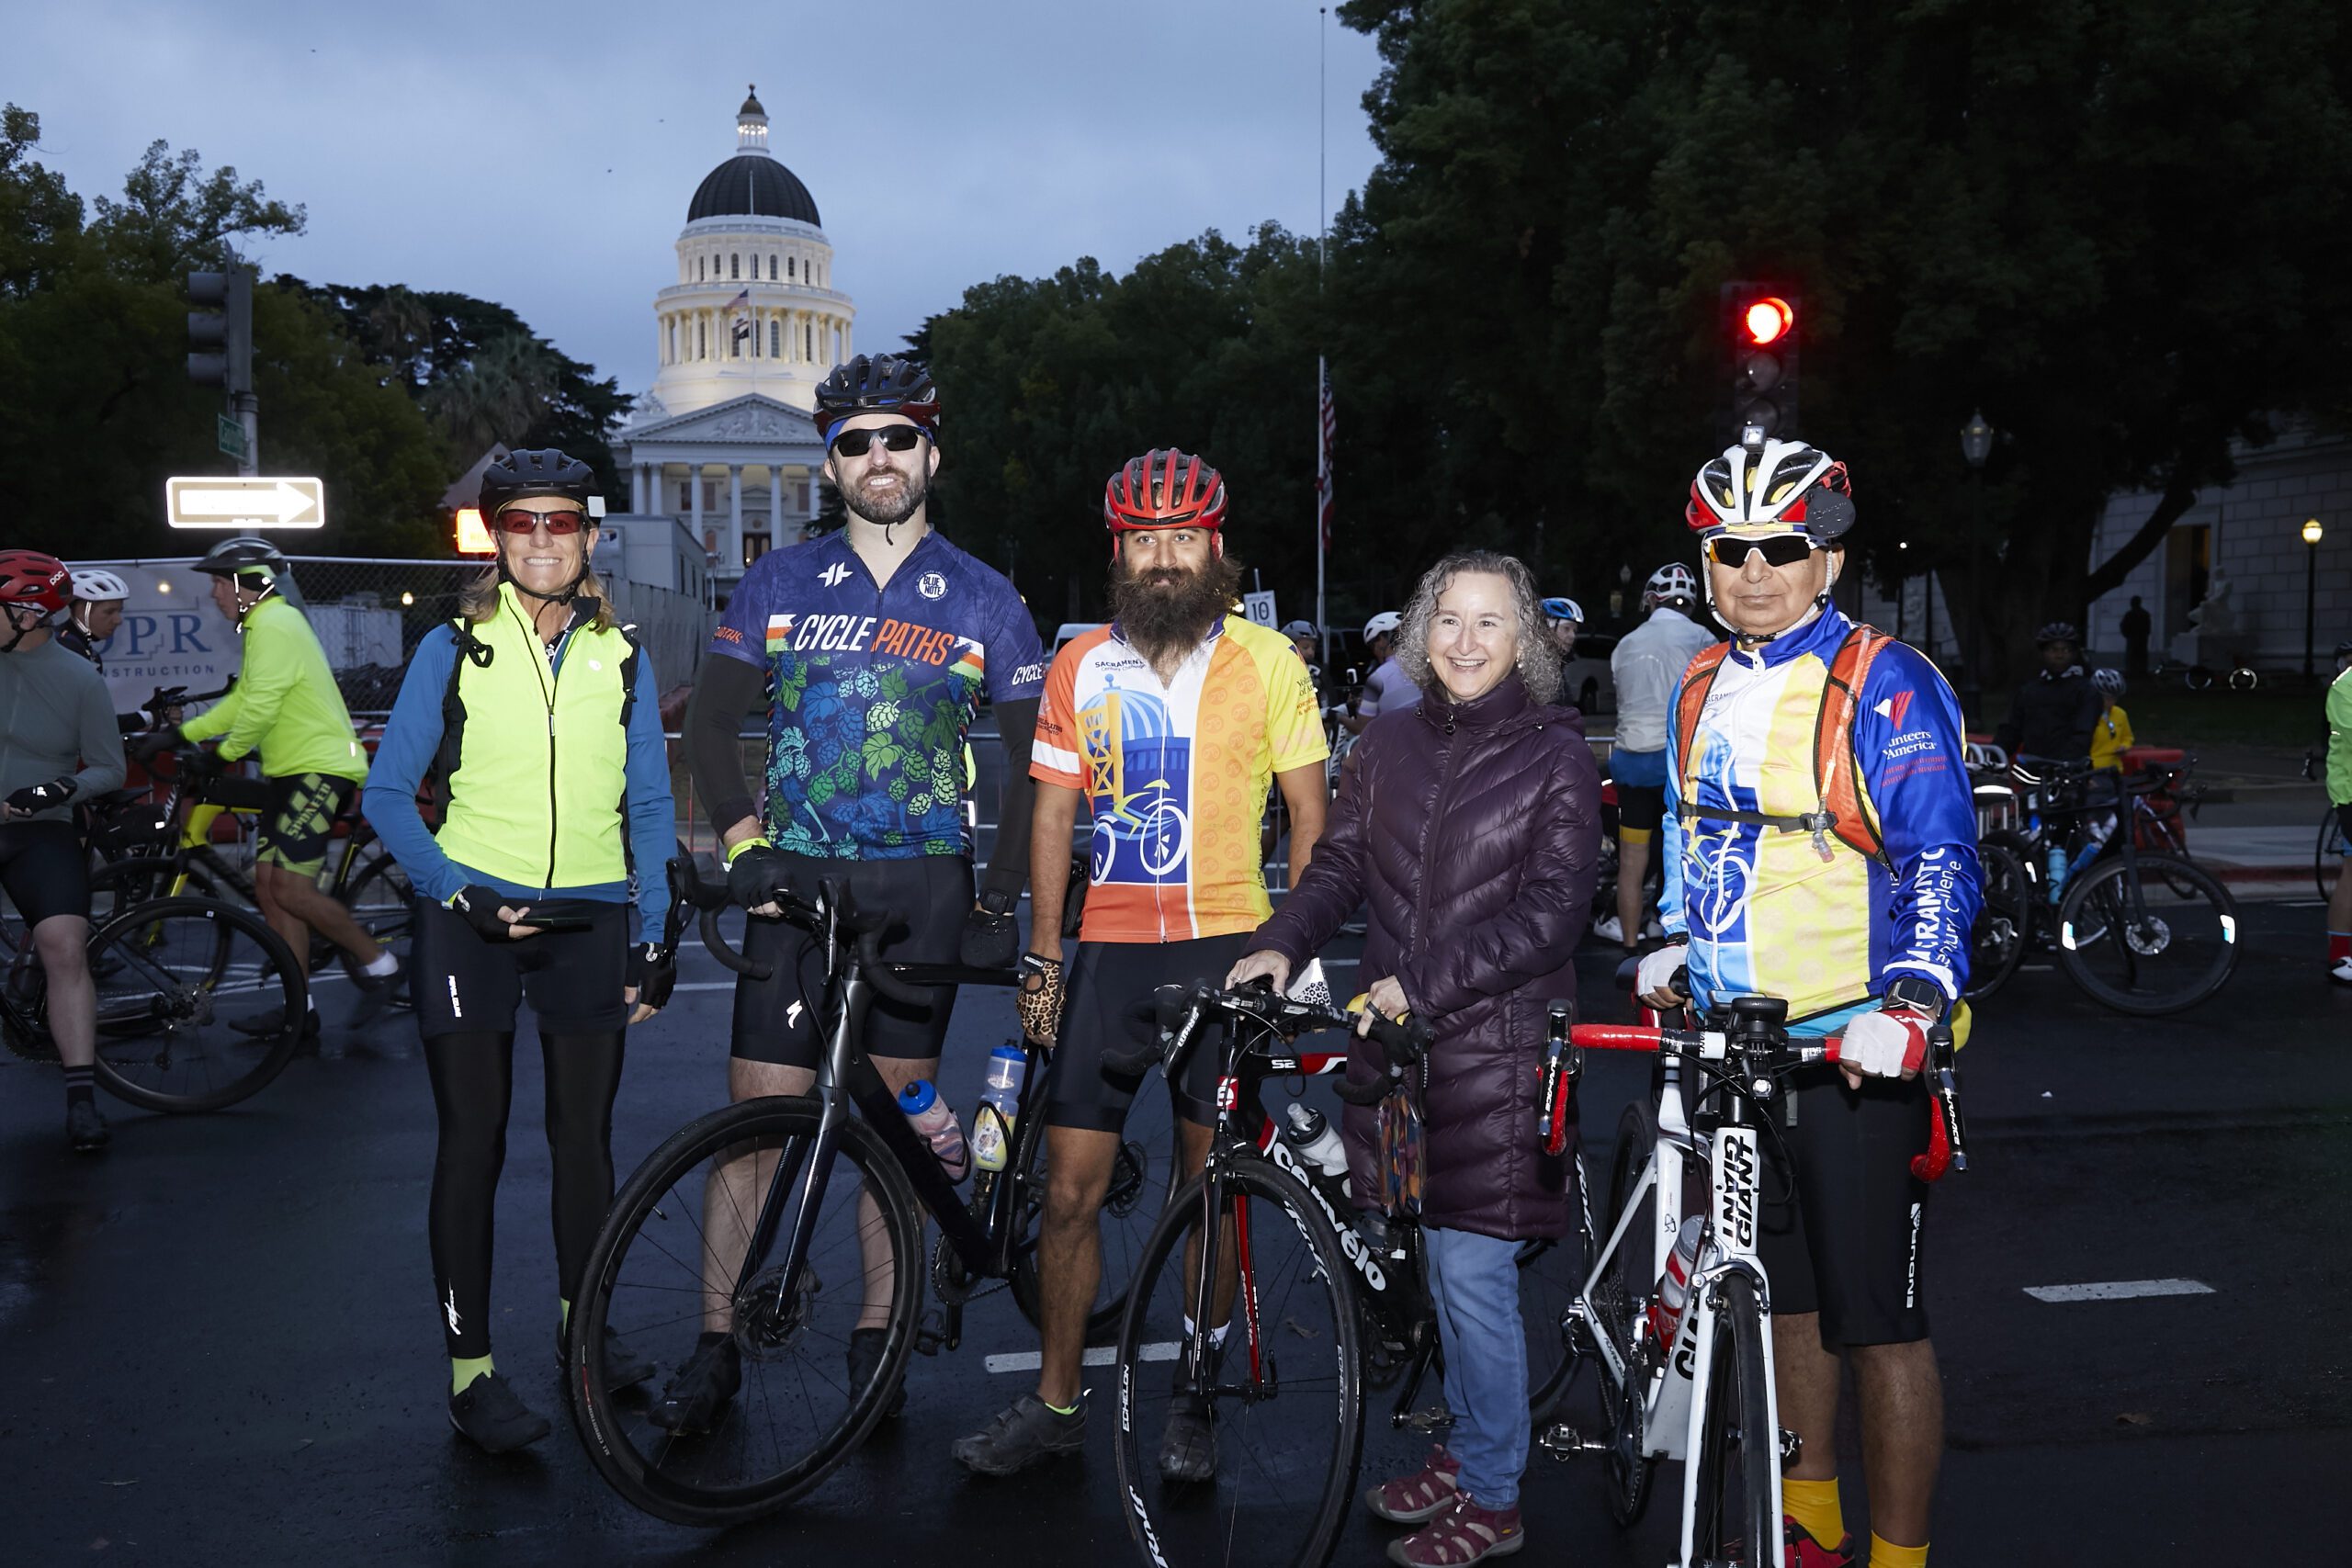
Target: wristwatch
(997,901)
(1919,995)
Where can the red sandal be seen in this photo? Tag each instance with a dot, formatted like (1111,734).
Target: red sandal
(1463,1534)
(1424,1494)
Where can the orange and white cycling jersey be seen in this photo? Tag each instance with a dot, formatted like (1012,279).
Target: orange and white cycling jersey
(1176,776)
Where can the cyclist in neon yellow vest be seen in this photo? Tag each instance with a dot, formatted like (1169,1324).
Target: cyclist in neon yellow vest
(538,715)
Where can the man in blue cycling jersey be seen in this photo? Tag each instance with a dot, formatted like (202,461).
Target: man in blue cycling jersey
(1821,847)
(870,650)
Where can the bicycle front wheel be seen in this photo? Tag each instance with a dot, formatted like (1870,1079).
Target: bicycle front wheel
(2004,922)
(1277,1381)
(200,1004)
(2327,864)
(1732,1489)
(2149,936)
(673,1272)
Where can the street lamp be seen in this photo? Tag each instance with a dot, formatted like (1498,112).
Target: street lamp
(2311,532)
(1976,445)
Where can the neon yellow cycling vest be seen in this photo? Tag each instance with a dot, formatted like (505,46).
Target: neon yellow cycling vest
(535,758)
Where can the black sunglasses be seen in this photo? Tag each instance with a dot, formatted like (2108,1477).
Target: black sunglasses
(894,437)
(1780,549)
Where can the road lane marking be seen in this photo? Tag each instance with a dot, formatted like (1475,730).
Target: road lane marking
(1100,1356)
(2118,1289)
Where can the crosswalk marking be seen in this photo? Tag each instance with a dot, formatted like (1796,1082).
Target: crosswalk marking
(2118,1289)
(1100,1356)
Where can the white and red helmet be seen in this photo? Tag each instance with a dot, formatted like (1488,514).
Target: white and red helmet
(1775,486)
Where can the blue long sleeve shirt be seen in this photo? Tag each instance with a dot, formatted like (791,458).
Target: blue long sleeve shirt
(412,739)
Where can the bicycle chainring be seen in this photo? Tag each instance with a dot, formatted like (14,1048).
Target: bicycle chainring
(949,1280)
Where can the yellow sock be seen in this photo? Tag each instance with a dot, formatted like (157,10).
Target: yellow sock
(1813,1504)
(563,1314)
(1884,1553)
(464,1369)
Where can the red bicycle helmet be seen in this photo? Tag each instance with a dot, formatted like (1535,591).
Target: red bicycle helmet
(28,577)
(1165,488)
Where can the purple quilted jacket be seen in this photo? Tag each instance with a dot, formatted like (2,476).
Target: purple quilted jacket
(1472,831)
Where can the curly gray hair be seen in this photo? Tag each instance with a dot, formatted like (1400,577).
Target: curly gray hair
(1539,664)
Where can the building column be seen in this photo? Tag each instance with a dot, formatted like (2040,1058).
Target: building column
(693,497)
(776,507)
(735,513)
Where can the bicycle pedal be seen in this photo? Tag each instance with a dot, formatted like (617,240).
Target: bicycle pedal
(932,1334)
(1432,1419)
(1565,1442)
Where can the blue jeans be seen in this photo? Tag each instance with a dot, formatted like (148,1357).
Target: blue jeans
(1475,1282)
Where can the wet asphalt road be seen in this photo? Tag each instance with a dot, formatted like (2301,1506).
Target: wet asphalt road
(219,1343)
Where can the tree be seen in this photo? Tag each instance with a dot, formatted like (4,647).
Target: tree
(40,220)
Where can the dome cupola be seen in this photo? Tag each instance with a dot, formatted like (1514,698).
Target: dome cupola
(752,184)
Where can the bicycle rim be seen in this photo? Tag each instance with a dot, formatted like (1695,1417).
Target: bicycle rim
(1285,1400)
(2327,864)
(1733,1496)
(2004,922)
(174,978)
(662,1270)
(1617,1300)
(2150,940)
(1143,1172)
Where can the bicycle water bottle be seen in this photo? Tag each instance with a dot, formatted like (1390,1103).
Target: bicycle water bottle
(2057,871)
(935,1121)
(999,1108)
(1674,1285)
(1317,1146)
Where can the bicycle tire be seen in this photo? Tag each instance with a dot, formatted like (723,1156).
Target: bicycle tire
(1619,1297)
(1729,1512)
(1274,1499)
(2181,911)
(2003,927)
(2197,678)
(379,900)
(667,1474)
(2243,679)
(162,1043)
(2329,856)
(1143,1175)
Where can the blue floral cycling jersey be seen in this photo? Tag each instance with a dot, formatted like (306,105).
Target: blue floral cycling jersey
(871,690)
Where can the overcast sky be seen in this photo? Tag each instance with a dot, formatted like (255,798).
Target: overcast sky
(542,155)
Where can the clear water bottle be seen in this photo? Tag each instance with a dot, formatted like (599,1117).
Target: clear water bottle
(1316,1143)
(935,1121)
(999,1108)
(2057,871)
(1674,1285)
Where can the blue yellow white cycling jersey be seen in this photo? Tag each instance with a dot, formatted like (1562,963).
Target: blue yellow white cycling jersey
(1176,776)
(871,690)
(1766,913)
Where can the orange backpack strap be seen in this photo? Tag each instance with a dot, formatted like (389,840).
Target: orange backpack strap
(1836,770)
(1698,679)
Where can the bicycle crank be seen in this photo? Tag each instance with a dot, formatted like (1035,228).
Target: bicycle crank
(1565,1442)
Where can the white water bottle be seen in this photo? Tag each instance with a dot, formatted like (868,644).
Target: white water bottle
(999,1108)
(935,1121)
(1674,1285)
(1311,1136)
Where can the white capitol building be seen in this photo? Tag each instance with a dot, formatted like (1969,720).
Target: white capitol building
(723,441)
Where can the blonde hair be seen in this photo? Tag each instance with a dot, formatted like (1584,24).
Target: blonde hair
(1539,666)
(478,600)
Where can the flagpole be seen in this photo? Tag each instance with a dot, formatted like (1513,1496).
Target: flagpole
(1322,376)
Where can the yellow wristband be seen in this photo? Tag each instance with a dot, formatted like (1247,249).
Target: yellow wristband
(739,847)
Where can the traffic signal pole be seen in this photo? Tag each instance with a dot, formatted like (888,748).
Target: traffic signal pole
(220,351)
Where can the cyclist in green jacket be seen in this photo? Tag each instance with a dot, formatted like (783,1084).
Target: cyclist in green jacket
(285,704)
(2339,795)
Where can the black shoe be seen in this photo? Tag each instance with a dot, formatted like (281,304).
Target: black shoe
(260,1024)
(1020,1437)
(865,1348)
(489,1413)
(86,1128)
(701,1388)
(1187,1446)
(623,1367)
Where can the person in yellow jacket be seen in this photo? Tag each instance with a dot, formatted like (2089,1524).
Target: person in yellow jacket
(286,707)
(2111,734)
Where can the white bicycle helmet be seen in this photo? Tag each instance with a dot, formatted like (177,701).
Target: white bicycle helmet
(1669,583)
(1385,622)
(1779,486)
(99,587)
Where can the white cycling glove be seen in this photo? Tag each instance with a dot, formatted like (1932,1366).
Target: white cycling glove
(1886,1044)
(1657,969)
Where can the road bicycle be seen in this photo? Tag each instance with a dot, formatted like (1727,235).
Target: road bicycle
(2327,859)
(1275,1318)
(1695,1382)
(2202,677)
(172,976)
(840,1184)
(2143,932)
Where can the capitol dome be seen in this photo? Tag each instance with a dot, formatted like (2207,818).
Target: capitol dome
(752,184)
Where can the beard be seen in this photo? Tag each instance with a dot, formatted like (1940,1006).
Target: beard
(892,507)
(1169,610)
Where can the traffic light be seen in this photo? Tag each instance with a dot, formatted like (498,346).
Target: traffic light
(1760,326)
(221,331)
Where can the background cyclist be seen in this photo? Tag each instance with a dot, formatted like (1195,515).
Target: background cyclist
(2339,794)
(1645,668)
(1852,896)
(58,740)
(1563,617)
(2053,713)
(540,720)
(1387,688)
(2111,732)
(97,613)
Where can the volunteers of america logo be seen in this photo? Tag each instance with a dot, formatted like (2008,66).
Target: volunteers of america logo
(834,575)
(930,585)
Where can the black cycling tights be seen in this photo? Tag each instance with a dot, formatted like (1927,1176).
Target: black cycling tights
(473,1080)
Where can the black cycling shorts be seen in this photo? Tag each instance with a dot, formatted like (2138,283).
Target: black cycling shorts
(1640,807)
(464,982)
(776,1019)
(298,824)
(1103,981)
(1849,1245)
(42,867)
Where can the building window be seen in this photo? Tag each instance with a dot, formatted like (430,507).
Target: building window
(702,339)
(809,334)
(734,267)
(771,268)
(776,340)
(790,262)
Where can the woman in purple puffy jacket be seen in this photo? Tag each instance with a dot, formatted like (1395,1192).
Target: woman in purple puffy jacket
(1471,826)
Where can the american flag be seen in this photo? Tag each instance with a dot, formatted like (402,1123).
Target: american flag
(1327,424)
(741,306)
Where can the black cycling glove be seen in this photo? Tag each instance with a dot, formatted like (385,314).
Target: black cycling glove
(757,875)
(153,744)
(43,797)
(991,936)
(478,906)
(652,971)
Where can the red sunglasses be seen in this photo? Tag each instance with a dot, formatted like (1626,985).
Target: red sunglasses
(520,520)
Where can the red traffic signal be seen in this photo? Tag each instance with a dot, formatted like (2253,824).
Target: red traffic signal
(1768,320)
(1759,335)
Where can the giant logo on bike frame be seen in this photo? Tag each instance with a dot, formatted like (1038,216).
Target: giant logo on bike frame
(1140,782)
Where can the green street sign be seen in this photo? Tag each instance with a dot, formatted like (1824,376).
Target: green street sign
(231,435)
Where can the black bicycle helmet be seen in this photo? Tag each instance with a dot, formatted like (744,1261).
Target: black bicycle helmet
(876,384)
(246,555)
(546,471)
(2059,631)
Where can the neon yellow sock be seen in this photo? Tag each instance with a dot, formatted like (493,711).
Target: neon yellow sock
(1058,1410)
(1813,1504)
(464,1369)
(563,1314)
(1884,1553)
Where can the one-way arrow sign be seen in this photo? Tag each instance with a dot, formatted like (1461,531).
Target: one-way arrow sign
(222,500)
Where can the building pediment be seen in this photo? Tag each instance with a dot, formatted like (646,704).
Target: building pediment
(754,417)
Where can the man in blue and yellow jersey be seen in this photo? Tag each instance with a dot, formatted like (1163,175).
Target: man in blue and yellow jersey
(1821,847)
